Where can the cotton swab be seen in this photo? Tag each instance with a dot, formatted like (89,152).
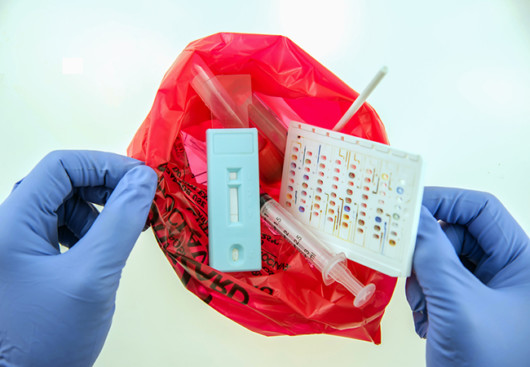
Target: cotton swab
(361,99)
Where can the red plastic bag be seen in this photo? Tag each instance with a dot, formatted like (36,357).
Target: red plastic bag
(287,297)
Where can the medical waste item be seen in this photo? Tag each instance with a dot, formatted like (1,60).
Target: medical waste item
(361,197)
(234,108)
(217,98)
(331,265)
(274,300)
(267,123)
(233,200)
(359,101)
(234,115)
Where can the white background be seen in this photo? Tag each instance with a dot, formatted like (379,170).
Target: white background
(83,75)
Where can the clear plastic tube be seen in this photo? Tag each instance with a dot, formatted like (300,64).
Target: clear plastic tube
(333,266)
(267,123)
(233,107)
(216,97)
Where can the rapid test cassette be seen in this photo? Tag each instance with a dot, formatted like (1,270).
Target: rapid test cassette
(361,197)
(234,242)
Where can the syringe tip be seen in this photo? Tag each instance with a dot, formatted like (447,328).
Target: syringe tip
(364,295)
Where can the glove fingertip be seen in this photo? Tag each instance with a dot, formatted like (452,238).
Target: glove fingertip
(146,179)
(115,231)
(133,197)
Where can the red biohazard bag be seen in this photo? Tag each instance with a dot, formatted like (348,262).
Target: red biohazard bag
(288,296)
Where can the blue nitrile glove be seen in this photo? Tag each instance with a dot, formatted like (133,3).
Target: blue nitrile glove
(470,290)
(56,309)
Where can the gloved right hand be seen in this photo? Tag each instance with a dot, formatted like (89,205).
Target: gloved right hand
(470,288)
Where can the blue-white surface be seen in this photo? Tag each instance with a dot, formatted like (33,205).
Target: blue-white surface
(84,74)
(234,237)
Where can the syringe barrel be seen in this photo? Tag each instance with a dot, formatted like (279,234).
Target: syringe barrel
(302,239)
(332,266)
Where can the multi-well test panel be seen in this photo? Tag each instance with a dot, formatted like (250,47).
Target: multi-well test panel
(362,198)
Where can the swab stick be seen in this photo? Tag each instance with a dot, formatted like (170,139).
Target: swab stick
(361,99)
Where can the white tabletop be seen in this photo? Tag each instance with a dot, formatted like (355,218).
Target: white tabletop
(78,76)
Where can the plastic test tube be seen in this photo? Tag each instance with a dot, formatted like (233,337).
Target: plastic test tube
(268,123)
(217,98)
(332,266)
(226,110)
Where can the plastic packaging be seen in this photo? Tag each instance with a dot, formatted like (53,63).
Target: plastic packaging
(287,296)
(332,266)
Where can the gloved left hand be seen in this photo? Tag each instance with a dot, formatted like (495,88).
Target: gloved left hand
(56,308)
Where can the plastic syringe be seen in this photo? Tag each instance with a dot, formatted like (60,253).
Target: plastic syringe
(332,266)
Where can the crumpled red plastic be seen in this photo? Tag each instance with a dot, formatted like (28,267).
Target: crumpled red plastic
(288,296)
